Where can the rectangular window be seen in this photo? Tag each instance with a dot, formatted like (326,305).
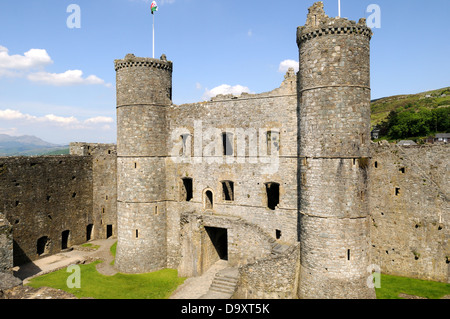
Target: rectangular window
(186,150)
(186,189)
(228,190)
(227,142)
(273,142)
(273,195)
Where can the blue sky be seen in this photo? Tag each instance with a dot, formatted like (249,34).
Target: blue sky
(58,83)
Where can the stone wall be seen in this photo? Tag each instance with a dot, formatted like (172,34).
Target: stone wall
(104,186)
(271,278)
(198,250)
(42,197)
(6,244)
(249,167)
(410,213)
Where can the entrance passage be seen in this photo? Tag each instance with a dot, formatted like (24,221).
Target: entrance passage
(219,239)
(89,229)
(43,245)
(65,239)
(109,231)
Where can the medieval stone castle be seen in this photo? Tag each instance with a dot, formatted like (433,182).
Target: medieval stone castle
(286,186)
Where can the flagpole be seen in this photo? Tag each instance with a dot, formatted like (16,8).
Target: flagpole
(153,35)
(339,5)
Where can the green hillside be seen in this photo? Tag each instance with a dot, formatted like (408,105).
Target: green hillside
(414,115)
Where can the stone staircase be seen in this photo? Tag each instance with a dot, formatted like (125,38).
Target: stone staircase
(225,281)
(223,285)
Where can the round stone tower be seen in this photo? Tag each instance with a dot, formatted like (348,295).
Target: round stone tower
(144,90)
(334,130)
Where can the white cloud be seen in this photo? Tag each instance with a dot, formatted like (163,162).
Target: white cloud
(31,59)
(198,86)
(67,122)
(70,77)
(14,115)
(26,65)
(250,33)
(59,119)
(286,64)
(225,89)
(99,119)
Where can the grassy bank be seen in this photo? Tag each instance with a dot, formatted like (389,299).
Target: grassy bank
(156,285)
(392,286)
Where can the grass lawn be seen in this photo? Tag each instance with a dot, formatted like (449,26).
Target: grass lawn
(156,285)
(392,286)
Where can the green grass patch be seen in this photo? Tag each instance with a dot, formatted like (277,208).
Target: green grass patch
(156,285)
(88,245)
(112,249)
(392,286)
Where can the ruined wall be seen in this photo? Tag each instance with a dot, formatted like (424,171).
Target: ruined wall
(248,117)
(6,244)
(45,196)
(104,186)
(245,242)
(271,277)
(410,213)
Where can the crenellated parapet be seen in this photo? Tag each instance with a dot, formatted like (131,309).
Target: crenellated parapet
(133,61)
(318,24)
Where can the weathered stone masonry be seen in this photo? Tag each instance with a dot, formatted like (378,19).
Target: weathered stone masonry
(334,127)
(54,202)
(187,187)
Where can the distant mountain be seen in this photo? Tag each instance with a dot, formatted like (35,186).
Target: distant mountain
(27,145)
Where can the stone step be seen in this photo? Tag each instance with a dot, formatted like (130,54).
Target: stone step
(225,282)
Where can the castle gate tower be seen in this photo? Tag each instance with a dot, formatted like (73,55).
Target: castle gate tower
(144,90)
(334,128)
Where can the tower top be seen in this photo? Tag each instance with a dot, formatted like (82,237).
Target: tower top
(318,24)
(131,60)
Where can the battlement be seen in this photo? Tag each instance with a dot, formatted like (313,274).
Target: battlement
(319,24)
(132,61)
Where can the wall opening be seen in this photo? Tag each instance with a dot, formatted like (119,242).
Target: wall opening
(43,245)
(397,191)
(272,142)
(186,145)
(402,170)
(209,201)
(219,239)
(227,143)
(277,233)
(65,239)
(137,233)
(89,230)
(273,195)
(348,254)
(375,164)
(109,231)
(228,190)
(186,189)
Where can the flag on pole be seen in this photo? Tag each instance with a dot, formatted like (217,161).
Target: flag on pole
(154,7)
